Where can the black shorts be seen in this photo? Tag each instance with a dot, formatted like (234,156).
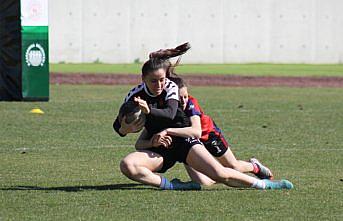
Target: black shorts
(177,153)
(216,144)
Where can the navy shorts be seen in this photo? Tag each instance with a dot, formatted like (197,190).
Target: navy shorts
(216,144)
(177,153)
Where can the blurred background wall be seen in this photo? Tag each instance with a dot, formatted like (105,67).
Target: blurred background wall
(220,31)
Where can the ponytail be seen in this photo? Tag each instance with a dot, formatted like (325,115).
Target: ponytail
(171,52)
(165,54)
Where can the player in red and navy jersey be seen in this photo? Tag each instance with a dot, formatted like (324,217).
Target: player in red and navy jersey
(212,137)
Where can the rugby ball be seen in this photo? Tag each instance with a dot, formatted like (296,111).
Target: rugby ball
(131,111)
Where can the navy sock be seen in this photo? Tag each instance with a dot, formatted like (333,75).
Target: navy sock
(166,184)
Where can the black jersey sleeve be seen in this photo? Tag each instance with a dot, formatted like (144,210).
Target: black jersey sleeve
(116,127)
(169,112)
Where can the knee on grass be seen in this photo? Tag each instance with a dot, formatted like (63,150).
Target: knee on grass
(128,168)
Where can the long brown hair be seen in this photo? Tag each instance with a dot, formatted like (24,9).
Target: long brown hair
(160,59)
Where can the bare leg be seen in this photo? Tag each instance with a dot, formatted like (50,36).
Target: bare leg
(140,166)
(201,160)
(229,160)
(199,177)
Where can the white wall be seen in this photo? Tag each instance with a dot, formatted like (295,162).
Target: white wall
(220,31)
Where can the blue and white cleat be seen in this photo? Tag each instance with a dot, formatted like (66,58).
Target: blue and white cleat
(179,185)
(277,185)
(263,172)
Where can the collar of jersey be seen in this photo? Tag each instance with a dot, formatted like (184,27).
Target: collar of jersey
(148,92)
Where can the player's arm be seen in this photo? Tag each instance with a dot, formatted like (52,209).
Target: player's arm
(193,112)
(172,103)
(143,141)
(192,131)
(119,124)
(124,128)
(146,141)
(118,128)
(168,112)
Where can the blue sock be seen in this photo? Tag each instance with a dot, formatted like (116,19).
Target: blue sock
(165,184)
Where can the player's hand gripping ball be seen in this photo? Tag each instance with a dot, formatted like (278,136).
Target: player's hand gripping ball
(132,113)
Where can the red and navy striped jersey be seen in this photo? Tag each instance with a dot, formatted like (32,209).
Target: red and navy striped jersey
(207,124)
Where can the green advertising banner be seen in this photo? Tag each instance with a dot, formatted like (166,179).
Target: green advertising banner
(35,63)
(35,50)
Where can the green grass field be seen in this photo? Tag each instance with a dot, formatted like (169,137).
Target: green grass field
(236,69)
(63,165)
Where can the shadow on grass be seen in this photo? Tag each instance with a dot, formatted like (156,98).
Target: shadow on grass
(120,186)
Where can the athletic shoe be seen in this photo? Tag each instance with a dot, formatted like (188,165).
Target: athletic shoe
(264,172)
(179,185)
(279,184)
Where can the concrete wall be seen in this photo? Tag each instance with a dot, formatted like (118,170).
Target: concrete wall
(220,31)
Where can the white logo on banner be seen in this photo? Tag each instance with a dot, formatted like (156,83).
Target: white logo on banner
(35,55)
